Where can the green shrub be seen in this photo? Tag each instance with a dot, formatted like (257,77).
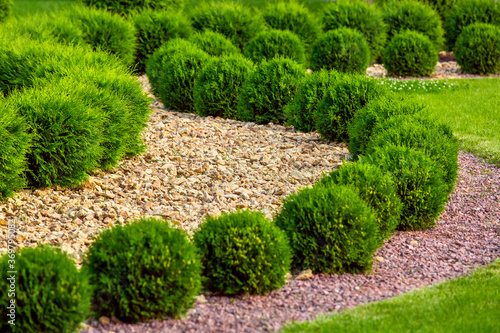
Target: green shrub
(414,16)
(51,295)
(341,102)
(15,143)
(359,16)
(235,21)
(177,76)
(292,16)
(105,31)
(154,28)
(419,184)
(410,54)
(217,89)
(5,8)
(478,49)
(268,90)
(415,131)
(144,270)
(466,12)
(377,111)
(344,50)
(272,43)
(124,7)
(376,188)
(214,43)
(330,229)
(442,7)
(300,111)
(242,252)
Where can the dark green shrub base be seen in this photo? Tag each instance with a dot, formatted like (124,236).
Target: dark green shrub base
(273,43)
(144,270)
(243,252)
(330,228)
(214,43)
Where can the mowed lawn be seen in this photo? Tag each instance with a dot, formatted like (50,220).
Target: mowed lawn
(467,304)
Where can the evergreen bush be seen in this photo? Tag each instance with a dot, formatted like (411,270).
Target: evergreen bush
(360,16)
(478,49)
(144,270)
(442,7)
(343,49)
(268,90)
(51,294)
(330,229)
(217,89)
(242,252)
(124,7)
(272,43)
(5,9)
(214,43)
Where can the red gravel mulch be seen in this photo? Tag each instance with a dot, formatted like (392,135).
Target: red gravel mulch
(467,235)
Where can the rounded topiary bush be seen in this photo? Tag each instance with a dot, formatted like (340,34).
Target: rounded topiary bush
(217,89)
(377,111)
(144,270)
(272,43)
(214,43)
(235,21)
(359,16)
(5,9)
(124,7)
(376,188)
(414,16)
(105,31)
(442,7)
(300,111)
(341,102)
(344,50)
(419,183)
(292,16)
(15,143)
(242,252)
(268,90)
(478,49)
(414,131)
(466,12)
(50,293)
(177,77)
(410,54)
(330,229)
(154,28)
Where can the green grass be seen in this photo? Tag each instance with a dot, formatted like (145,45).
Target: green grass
(467,304)
(22,8)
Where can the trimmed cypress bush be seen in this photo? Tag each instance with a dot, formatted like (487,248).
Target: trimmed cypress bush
(341,102)
(292,16)
(359,16)
(214,43)
(410,54)
(330,229)
(268,90)
(300,111)
(414,16)
(419,184)
(242,252)
(478,49)
(414,131)
(376,188)
(144,270)
(51,294)
(124,7)
(344,50)
(272,43)
(466,12)
(235,21)
(217,89)
(15,143)
(377,111)
(155,28)
(5,9)
(442,7)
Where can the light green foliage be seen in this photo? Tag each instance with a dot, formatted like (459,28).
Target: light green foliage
(124,7)
(242,252)
(214,43)
(330,228)
(274,43)
(51,294)
(144,270)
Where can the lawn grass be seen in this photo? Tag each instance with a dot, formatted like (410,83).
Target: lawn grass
(466,304)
